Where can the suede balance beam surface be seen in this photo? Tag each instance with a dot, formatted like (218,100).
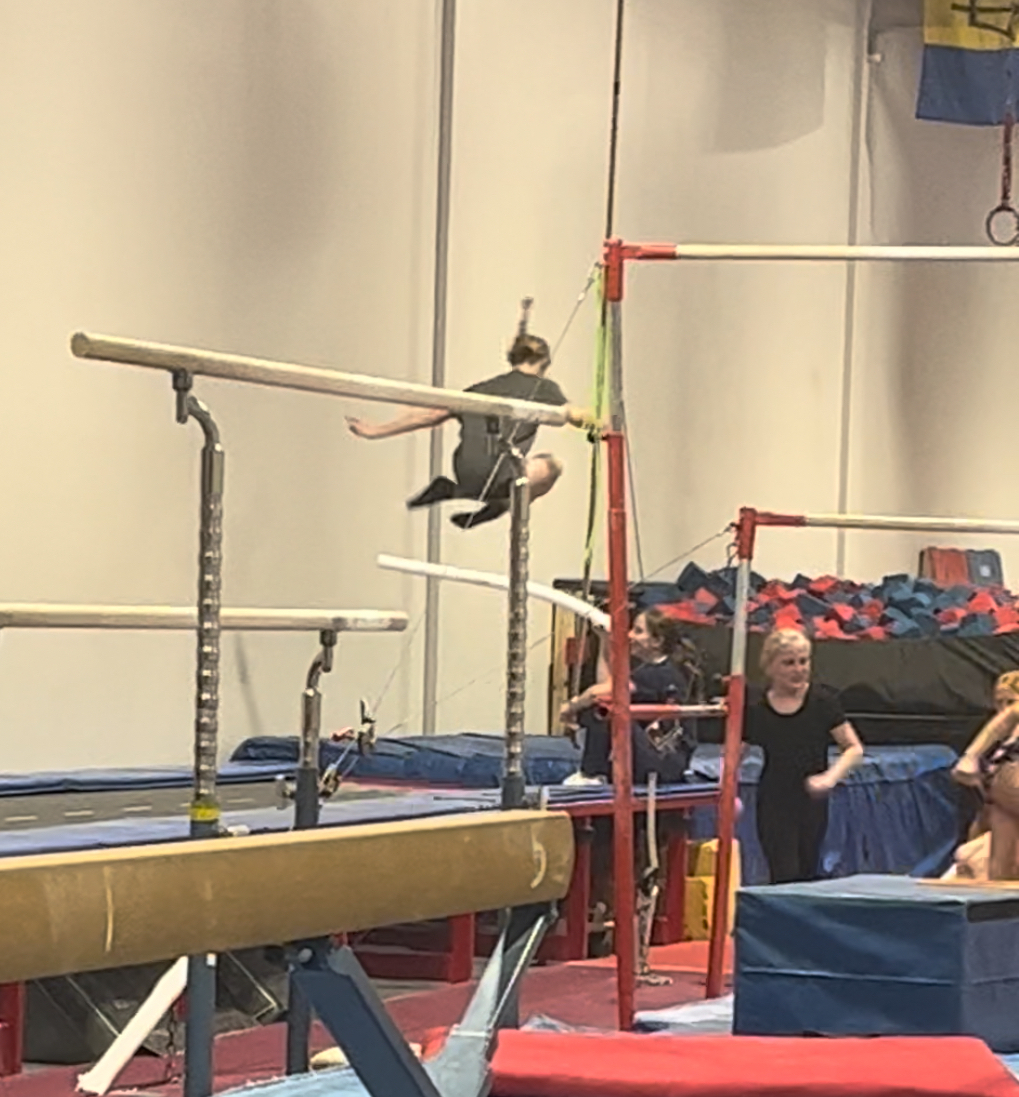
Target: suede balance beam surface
(86,911)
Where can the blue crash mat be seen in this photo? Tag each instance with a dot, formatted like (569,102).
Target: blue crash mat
(878,955)
(131,779)
(468,760)
(383,808)
(377,807)
(897,813)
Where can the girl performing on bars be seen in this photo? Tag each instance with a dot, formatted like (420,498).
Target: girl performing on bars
(991,763)
(481,467)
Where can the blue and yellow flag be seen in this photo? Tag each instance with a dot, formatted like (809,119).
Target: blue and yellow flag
(970,62)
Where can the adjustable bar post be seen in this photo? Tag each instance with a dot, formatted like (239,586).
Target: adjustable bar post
(204,810)
(306,815)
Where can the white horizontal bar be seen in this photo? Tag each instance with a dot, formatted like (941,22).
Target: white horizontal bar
(14,615)
(490,579)
(918,525)
(886,253)
(171,986)
(259,371)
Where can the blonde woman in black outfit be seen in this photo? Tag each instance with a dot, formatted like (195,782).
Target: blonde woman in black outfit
(794,723)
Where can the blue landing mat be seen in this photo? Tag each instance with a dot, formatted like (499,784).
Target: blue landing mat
(131,779)
(467,760)
(897,813)
(376,806)
(135,831)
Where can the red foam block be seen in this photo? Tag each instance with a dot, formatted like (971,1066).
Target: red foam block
(553,1064)
(842,612)
(982,602)
(705,599)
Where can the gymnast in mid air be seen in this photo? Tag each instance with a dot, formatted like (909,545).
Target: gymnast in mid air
(481,470)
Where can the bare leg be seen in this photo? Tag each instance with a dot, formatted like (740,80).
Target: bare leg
(1004,843)
(542,472)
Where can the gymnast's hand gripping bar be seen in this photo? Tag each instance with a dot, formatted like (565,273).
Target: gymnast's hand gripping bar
(259,371)
(42,616)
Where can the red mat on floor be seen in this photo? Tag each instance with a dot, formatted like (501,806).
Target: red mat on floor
(547,1064)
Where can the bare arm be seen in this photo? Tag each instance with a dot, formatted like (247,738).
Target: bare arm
(600,691)
(850,757)
(410,420)
(967,769)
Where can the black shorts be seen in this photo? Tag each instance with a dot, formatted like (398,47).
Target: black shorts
(472,478)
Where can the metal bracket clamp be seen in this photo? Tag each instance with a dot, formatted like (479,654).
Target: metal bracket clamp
(342,995)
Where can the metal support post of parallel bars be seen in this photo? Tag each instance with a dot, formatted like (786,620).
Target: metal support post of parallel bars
(204,811)
(516,638)
(306,816)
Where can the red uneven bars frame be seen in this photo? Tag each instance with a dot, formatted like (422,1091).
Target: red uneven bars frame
(625,900)
(615,255)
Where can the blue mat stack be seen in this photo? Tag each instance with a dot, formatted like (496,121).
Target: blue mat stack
(878,956)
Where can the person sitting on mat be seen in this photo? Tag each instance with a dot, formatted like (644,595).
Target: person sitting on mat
(793,722)
(664,670)
(482,471)
(991,764)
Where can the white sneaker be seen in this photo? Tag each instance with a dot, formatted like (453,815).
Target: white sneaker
(579,778)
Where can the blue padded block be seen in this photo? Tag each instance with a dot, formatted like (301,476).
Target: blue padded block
(929,624)
(658,594)
(953,597)
(761,617)
(691,579)
(904,630)
(977,624)
(801,582)
(878,955)
(810,606)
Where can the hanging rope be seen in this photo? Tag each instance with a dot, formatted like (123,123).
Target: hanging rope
(594,483)
(1002,224)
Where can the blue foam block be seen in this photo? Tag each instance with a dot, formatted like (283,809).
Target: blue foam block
(977,624)
(878,955)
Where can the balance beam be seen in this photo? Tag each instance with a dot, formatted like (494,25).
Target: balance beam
(87,911)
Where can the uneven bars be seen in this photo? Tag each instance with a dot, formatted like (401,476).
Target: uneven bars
(259,371)
(888,253)
(598,619)
(41,616)
(887,522)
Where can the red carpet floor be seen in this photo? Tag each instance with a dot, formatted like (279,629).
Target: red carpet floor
(582,994)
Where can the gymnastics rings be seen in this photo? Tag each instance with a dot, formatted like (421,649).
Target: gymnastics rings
(1002,225)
